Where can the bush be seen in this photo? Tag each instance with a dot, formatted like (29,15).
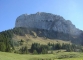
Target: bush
(67,56)
(35,52)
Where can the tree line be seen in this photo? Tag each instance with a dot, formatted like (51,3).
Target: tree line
(37,48)
(6,43)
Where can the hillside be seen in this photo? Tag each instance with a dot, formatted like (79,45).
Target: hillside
(29,39)
(14,36)
(41,32)
(17,38)
(50,26)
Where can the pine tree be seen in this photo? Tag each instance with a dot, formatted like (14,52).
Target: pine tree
(2,47)
(44,51)
(25,50)
(8,48)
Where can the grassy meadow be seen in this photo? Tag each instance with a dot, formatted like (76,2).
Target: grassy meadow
(54,56)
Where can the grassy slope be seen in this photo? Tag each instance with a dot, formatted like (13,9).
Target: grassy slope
(12,56)
(29,39)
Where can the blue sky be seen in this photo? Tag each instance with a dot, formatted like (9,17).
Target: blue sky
(10,9)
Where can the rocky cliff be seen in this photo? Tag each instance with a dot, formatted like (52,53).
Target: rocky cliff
(47,21)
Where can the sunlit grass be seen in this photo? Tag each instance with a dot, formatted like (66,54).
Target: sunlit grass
(12,56)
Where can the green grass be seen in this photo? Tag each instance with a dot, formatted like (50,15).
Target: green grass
(29,39)
(12,56)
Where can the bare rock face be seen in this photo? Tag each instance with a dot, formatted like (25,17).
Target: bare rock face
(48,21)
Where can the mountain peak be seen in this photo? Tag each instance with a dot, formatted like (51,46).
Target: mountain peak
(48,21)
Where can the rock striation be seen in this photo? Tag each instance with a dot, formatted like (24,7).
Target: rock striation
(47,21)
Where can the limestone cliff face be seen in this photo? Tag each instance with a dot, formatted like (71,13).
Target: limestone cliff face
(48,21)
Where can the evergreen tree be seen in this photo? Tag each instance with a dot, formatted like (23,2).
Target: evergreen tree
(24,50)
(44,51)
(2,47)
(8,48)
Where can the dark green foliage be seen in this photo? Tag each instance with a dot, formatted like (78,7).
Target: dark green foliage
(35,52)
(20,31)
(2,47)
(24,50)
(36,47)
(68,56)
(56,46)
(21,42)
(45,48)
(39,48)
(8,48)
(44,51)
(67,47)
(6,43)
